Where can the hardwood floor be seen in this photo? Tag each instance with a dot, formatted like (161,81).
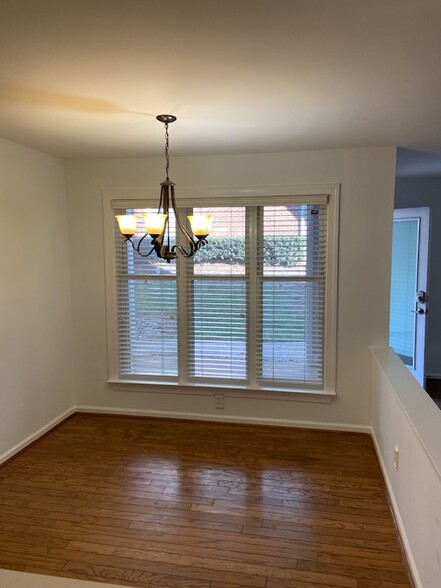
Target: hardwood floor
(157,503)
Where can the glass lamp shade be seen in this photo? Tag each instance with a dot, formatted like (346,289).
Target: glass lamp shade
(127,224)
(154,223)
(200,224)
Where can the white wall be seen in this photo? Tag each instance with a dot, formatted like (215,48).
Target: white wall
(36,344)
(405,416)
(426,191)
(367,184)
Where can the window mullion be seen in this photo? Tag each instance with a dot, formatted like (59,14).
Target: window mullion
(184,273)
(123,267)
(254,231)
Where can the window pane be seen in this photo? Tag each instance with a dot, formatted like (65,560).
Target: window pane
(403,288)
(218,329)
(147,311)
(292,331)
(224,253)
(292,245)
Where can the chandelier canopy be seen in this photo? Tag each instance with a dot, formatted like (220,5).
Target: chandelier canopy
(157,225)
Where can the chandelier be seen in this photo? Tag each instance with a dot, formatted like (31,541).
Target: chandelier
(157,225)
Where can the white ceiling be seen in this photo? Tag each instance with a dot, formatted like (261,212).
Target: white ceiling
(86,77)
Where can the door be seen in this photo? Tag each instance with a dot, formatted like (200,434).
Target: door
(409,300)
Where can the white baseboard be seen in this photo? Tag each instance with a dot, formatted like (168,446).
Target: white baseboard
(181,416)
(397,515)
(224,418)
(20,446)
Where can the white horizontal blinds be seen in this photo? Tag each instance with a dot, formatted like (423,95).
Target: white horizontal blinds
(217,291)
(251,301)
(137,264)
(291,286)
(224,254)
(147,309)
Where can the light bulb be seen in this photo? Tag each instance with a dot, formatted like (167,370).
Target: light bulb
(154,223)
(127,224)
(200,224)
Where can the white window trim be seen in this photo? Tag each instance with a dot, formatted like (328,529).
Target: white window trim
(201,196)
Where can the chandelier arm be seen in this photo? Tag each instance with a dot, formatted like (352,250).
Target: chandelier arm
(146,254)
(184,251)
(164,207)
(187,235)
(194,248)
(137,248)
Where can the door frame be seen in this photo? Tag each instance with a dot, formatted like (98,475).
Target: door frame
(422,214)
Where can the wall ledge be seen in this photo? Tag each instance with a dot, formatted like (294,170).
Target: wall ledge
(421,411)
(397,516)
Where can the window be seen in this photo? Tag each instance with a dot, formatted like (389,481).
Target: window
(248,311)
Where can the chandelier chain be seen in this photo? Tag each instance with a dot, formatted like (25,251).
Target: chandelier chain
(167,158)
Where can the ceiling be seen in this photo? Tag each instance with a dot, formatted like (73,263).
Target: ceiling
(82,78)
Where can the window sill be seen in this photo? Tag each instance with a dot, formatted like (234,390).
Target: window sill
(312,396)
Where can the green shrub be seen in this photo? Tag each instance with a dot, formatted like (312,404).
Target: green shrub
(221,250)
(278,251)
(282,250)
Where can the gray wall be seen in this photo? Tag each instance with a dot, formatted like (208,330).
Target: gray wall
(426,191)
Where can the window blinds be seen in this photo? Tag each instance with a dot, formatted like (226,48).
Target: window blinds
(217,289)
(291,290)
(147,312)
(248,309)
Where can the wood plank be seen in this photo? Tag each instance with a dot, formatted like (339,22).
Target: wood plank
(126,576)
(359,571)
(304,580)
(232,548)
(328,535)
(363,583)
(219,563)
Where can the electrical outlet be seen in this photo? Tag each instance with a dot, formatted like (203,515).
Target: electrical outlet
(396,458)
(218,401)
